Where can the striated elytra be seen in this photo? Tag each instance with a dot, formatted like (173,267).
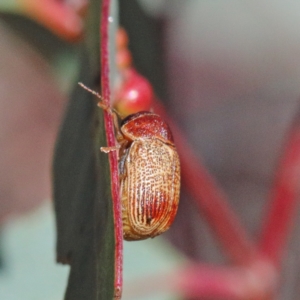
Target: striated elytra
(149,171)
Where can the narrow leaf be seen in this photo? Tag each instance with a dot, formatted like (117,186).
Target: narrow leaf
(82,190)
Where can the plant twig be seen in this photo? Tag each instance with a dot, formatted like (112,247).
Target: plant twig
(197,281)
(283,201)
(110,136)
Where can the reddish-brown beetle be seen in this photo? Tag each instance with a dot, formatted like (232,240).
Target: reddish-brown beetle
(149,176)
(149,171)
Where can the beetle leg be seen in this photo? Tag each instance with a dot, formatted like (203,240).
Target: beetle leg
(119,135)
(109,149)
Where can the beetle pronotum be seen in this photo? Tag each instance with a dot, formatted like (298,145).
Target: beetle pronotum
(149,172)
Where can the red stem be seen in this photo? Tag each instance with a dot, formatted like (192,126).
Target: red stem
(210,199)
(234,283)
(110,137)
(204,283)
(283,201)
(256,281)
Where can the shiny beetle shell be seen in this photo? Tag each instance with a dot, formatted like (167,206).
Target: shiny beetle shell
(149,176)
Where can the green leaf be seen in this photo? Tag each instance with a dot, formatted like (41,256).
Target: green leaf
(82,191)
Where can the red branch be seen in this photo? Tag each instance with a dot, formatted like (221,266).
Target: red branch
(197,281)
(110,137)
(283,201)
(200,281)
(210,199)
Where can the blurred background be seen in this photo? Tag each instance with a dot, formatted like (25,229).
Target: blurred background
(228,73)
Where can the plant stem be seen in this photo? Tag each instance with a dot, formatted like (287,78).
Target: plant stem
(283,201)
(110,136)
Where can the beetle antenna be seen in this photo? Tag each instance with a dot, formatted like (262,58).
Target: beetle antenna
(101,102)
(91,91)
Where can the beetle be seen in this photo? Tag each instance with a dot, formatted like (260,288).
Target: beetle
(149,174)
(149,170)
